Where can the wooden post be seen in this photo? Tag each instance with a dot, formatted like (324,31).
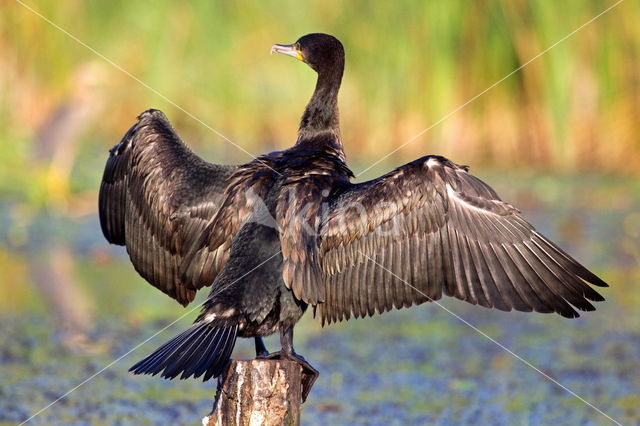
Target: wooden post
(258,392)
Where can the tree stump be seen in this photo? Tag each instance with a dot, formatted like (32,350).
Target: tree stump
(258,392)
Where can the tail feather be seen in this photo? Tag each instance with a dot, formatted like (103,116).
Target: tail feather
(182,359)
(204,351)
(208,355)
(160,356)
(216,367)
(202,348)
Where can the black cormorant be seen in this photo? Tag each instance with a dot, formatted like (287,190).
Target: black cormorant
(289,230)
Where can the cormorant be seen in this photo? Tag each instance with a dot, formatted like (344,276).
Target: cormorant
(289,230)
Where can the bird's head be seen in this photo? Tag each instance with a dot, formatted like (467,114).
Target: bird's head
(321,52)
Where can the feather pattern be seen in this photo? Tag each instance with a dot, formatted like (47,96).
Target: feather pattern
(204,348)
(155,197)
(289,229)
(428,228)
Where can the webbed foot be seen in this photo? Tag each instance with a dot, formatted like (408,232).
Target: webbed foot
(309,374)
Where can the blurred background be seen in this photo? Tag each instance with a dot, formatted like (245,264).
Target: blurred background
(560,139)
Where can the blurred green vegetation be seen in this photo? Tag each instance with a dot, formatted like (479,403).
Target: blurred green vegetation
(575,111)
(409,64)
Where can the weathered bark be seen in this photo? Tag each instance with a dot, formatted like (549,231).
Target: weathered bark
(258,392)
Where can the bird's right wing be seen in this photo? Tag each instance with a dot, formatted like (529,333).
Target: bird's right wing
(428,228)
(156,197)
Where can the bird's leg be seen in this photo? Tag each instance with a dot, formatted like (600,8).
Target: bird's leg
(261,349)
(309,374)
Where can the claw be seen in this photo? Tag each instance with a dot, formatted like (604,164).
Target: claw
(309,374)
(272,355)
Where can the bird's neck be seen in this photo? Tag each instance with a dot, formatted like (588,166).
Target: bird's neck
(320,123)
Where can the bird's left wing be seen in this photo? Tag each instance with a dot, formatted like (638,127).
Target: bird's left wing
(430,227)
(156,197)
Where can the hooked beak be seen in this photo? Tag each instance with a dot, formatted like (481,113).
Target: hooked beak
(288,49)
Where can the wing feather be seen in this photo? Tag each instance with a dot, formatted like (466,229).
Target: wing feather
(156,196)
(429,228)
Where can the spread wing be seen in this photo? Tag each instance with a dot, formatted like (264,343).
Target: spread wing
(429,228)
(156,197)
(244,201)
